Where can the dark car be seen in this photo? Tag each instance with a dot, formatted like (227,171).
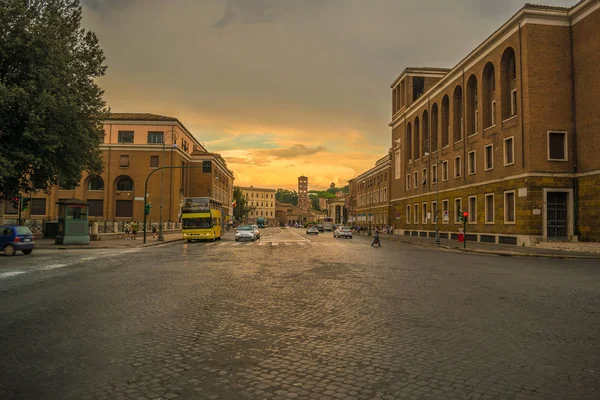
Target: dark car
(16,238)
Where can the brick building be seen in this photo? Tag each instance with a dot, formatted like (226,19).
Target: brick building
(369,197)
(134,146)
(510,134)
(261,203)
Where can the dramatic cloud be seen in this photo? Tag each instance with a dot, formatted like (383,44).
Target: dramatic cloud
(263,80)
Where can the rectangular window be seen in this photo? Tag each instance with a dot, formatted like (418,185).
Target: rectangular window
(509,207)
(457,210)
(207,167)
(457,167)
(471,162)
(416,179)
(445,171)
(407,181)
(9,208)
(124,209)
(408,219)
(424,176)
(434,211)
(38,206)
(95,208)
(445,211)
(125,137)
(489,157)
(416,213)
(156,137)
(489,208)
(124,161)
(472,209)
(384,194)
(434,177)
(397,165)
(424,211)
(513,102)
(153,161)
(476,122)
(509,150)
(557,146)
(493,113)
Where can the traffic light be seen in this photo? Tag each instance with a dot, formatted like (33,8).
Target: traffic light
(147,208)
(463,216)
(25,204)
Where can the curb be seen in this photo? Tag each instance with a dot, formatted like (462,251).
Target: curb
(83,247)
(495,252)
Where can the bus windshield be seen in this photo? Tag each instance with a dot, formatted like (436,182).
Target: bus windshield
(197,223)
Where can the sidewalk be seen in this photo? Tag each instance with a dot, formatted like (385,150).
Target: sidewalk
(111,244)
(486,248)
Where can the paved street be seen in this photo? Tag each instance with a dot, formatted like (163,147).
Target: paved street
(291,316)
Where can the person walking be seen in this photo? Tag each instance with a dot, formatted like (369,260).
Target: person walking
(134,229)
(127,230)
(154,230)
(376,240)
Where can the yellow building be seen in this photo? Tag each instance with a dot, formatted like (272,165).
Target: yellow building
(136,145)
(261,203)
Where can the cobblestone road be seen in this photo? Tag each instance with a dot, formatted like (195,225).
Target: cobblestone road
(294,317)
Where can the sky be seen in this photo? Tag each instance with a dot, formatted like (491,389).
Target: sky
(282,88)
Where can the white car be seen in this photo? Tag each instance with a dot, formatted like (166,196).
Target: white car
(343,232)
(245,232)
(256,231)
(312,229)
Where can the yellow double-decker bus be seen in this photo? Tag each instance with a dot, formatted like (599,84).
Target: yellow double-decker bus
(201,219)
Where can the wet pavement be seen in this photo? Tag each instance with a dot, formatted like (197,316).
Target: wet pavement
(291,316)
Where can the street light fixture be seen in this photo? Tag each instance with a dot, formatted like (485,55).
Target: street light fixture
(429,144)
(174,137)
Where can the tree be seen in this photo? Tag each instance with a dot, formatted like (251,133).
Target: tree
(287,196)
(51,109)
(240,211)
(315,202)
(332,185)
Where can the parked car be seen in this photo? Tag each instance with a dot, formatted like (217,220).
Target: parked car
(320,227)
(256,231)
(343,232)
(16,238)
(312,229)
(245,232)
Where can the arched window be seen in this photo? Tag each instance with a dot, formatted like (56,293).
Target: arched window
(425,120)
(457,113)
(489,95)
(409,142)
(472,112)
(95,183)
(124,184)
(417,140)
(434,126)
(445,121)
(508,84)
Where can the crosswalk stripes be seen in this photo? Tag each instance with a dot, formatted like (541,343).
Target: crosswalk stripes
(261,243)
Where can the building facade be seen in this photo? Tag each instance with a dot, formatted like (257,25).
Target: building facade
(510,134)
(135,148)
(261,203)
(368,202)
(303,200)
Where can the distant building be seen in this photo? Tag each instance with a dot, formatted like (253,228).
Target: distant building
(261,203)
(303,200)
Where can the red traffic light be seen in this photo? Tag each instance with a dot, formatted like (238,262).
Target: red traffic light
(465,213)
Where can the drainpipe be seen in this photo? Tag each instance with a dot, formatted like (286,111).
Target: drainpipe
(464,130)
(574,141)
(521,99)
(108,186)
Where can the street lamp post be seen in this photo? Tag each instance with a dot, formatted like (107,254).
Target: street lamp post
(429,144)
(174,137)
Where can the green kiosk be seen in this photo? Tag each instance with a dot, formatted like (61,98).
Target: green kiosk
(73,225)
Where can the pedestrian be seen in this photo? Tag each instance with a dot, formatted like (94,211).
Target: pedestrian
(154,229)
(127,230)
(134,229)
(376,240)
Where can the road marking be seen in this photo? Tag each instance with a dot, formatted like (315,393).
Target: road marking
(11,274)
(303,239)
(51,266)
(274,244)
